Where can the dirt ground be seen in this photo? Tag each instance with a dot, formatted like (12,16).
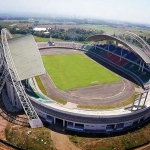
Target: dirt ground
(3,124)
(4,147)
(145,147)
(62,142)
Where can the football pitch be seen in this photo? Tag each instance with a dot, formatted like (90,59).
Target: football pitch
(70,71)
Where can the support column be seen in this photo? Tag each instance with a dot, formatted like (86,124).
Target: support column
(121,54)
(73,125)
(116,43)
(145,98)
(139,101)
(108,49)
(27,83)
(54,120)
(143,67)
(63,123)
(140,65)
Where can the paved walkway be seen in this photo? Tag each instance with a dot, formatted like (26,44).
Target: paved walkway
(70,105)
(5,147)
(62,142)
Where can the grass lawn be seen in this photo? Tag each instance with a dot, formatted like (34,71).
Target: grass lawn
(41,39)
(40,85)
(72,71)
(107,29)
(38,139)
(123,142)
(60,100)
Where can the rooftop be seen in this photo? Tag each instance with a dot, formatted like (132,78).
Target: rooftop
(135,49)
(26,57)
(39,29)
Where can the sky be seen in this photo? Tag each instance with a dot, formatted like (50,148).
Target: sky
(137,11)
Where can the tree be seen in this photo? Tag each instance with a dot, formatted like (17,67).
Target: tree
(148,41)
(36,22)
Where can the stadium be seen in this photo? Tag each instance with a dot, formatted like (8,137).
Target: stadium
(21,62)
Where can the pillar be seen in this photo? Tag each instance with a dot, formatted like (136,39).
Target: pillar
(121,54)
(143,67)
(54,120)
(140,65)
(63,123)
(108,49)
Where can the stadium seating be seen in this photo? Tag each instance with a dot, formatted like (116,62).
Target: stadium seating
(37,95)
(145,75)
(115,59)
(86,47)
(131,67)
(98,51)
(122,58)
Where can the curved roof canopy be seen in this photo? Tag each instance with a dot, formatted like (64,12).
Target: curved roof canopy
(135,49)
(26,57)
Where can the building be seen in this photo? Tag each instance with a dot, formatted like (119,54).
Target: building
(39,29)
(21,61)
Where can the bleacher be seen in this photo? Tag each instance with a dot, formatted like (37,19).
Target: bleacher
(131,67)
(86,47)
(122,58)
(115,59)
(39,97)
(97,51)
(145,75)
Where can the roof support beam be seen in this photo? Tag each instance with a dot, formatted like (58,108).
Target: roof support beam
(34,120)
(137,50)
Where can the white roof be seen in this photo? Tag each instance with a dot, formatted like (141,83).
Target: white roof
(46,32)
(26,57)
(39,29)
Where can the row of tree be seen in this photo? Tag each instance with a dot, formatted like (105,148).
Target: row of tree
(72,34)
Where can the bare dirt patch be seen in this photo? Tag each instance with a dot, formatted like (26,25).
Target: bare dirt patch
(62,141)
(4,147)
(3,124)
(145,147)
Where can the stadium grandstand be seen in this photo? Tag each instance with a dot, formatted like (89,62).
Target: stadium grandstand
(21,62)
(128,58)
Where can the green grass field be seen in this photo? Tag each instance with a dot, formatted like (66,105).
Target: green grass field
(40,85)
(40,39)
(75,70)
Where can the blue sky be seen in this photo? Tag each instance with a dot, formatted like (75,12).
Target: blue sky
(123,10)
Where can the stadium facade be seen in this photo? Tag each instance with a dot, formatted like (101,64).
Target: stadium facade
(21,62)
